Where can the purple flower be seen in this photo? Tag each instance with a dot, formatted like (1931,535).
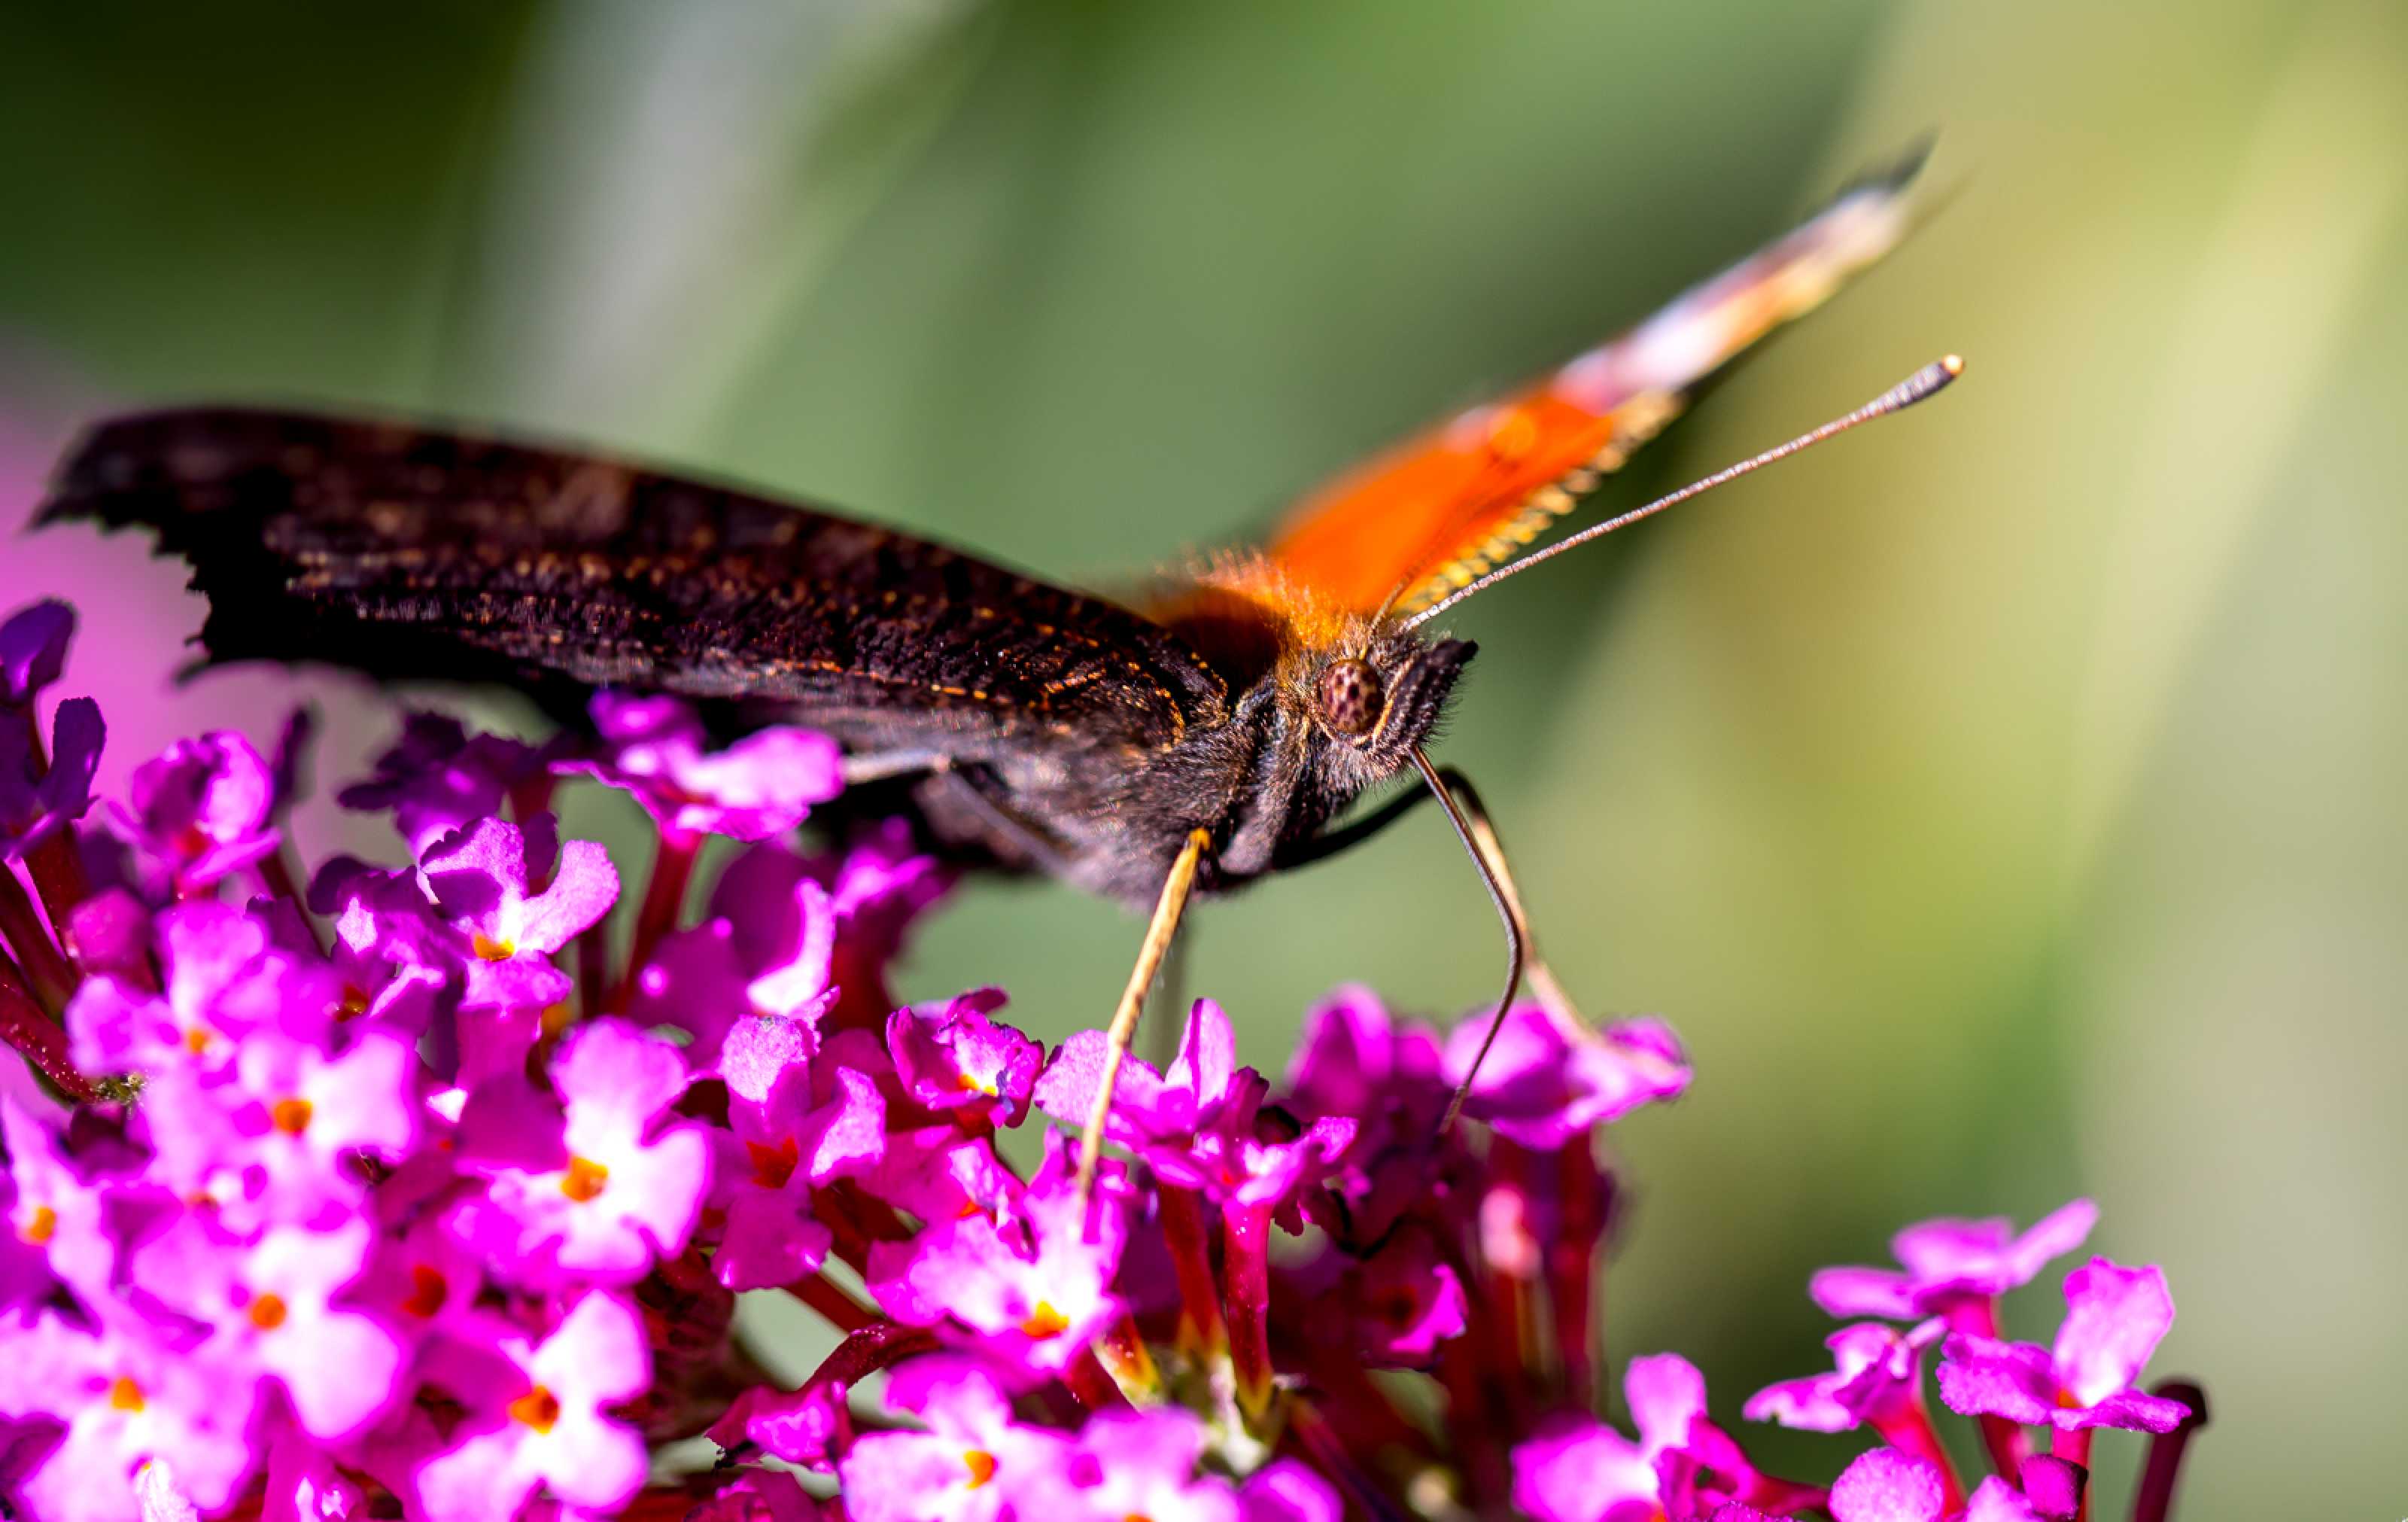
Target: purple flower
(2115,1317)
(438,778)
(807,1427)
(1576,1469)
(760,786)
(225,979)
(124,1398)
(1284,1490)
(1953,1265)
(1542,1085)
(394,960)
(953,1057)
(1877,1376)
(1400,1302)
(54,1215)
(1353,1060)
(975,1463)
(758,1495)
(34,651)
(879,886)
(204,807)
(791,1128)
(35,799)
(1033,1288)
(270,1304)
(1137,1463)
(277,1137)
(481,876)
(2051,1489)
(1200,1125)
(773,962)
(160,1500)
(303,1485)
(613,1187)
(1887,1486)
(538,1418)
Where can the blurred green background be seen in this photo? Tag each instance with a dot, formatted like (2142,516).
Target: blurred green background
(2005,803)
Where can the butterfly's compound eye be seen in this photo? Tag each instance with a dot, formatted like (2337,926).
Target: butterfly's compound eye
(1350,697)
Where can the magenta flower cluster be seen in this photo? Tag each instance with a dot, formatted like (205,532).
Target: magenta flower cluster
(426,1190)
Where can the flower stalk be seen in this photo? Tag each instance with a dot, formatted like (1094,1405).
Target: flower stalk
(47,973)
(376,1227)
(1245,1257)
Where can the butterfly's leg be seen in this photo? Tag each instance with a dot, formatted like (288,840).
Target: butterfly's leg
(1003,825)
(877,765)
(1543,982)
(1158,932)
(1324,846)
(1479,838)
(1169,997)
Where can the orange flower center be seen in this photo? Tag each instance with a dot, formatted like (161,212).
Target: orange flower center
(291,1115)
(1045,1322)
(267,1311)
(494,951)
(427,1291)
(355,1002)
(538,1408)
(584,1179)
(982,1467)
(125,1395)
(41,1223)
(196,1040)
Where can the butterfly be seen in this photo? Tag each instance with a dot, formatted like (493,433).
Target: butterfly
(1186,745)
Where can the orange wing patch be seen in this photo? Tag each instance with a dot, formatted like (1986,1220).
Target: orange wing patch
(1471,493)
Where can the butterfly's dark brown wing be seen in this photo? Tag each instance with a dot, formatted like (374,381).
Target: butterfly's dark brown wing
(407,552)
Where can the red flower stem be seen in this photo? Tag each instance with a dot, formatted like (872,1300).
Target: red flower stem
(845,1312)
(1091,1385)
(1319,1438)
(1246,1276)
(1476,1423)
(864,1353)
(1910,1431)
(2007,1443)
(2154,1501)
(1362,1414)
(1121,1348)
(1571,1275)
(664,897)
(28,1028)
(56,863)
(593,967)
(874,1215)
(851,1243)
(2073,1446)
(47,976)
(1201,1333)
(531,796)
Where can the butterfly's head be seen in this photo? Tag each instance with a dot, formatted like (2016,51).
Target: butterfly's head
(1376,702)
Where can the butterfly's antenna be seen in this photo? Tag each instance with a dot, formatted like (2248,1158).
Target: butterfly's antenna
(1388,605)
(1505,912)
(1915,388)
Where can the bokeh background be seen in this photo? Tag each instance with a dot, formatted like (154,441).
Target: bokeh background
(2006,803)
